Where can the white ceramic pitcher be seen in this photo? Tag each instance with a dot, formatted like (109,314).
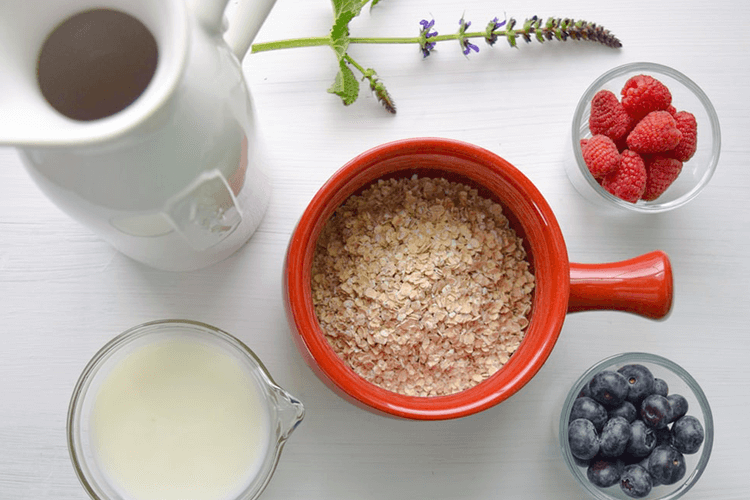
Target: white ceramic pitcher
(174,180)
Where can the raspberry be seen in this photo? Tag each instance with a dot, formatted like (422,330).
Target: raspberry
(622,144)
(608,116)
(629,181)
(671,110)
(661,172)
(643,94)
(689,143)
(601,156)
(655,133)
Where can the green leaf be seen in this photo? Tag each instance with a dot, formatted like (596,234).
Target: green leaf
(374,3)
(340,46)
(343,12)
(511,35)
(346,85)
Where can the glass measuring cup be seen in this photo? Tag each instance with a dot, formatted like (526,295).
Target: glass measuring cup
(278,412)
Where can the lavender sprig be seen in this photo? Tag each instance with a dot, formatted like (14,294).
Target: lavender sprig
(491,32)
(466,45)
(424,35)
(346,85)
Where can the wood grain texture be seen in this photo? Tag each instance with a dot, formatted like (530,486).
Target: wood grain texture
(64,292)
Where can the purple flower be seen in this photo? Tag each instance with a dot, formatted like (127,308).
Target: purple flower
(426,25)
(424,35)
(466,45)
(491,31)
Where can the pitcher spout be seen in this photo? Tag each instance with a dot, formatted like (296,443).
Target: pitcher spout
(246,23)
(246,19)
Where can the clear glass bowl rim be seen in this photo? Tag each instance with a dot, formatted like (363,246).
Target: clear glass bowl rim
(270,387)
(655,68)
(637,357)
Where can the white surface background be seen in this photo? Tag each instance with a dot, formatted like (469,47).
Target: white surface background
(64,292)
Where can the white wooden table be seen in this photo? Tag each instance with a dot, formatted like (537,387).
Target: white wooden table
(64,292)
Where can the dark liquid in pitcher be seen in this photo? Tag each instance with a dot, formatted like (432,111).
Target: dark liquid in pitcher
(96,63)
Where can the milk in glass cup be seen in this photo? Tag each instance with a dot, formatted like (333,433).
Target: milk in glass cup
(176,410)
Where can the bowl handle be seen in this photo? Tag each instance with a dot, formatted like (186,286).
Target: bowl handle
(641,285)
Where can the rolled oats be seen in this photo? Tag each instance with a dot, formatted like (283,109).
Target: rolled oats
(421,286)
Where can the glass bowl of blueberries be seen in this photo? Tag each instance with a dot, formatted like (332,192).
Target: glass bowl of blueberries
(636,425)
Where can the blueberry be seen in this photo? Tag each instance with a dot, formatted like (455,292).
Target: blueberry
(604,473)
(666,465)
(660,387)
(642,439)
(635,481)
(640,382)
(590,410)
(687,435)
(629,459)
(614,437)
(663,436)
(583,439)
(584,392)
(581,463)
(626,410)
(678,406)
(609,388)
(656,411)
(644,463)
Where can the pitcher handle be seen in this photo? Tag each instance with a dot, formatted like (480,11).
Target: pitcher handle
(206,212)
(642,285)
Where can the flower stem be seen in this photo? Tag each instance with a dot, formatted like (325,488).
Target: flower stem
(554,28)
(413,39)
(354,63)
(438,38)
(324,40)
(291,43)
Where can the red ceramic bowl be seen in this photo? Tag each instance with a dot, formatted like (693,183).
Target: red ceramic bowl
(642,285)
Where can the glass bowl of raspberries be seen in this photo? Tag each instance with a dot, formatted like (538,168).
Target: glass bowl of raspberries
(636,425)
(645,138)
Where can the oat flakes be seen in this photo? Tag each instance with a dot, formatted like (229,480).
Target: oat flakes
(421,286)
